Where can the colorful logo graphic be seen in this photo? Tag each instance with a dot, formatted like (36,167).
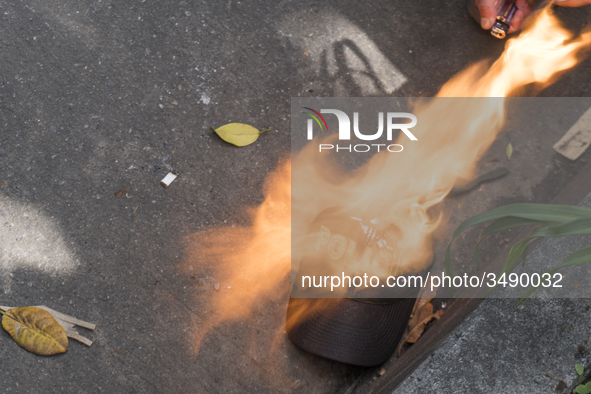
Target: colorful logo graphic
(315,116)
(387,124)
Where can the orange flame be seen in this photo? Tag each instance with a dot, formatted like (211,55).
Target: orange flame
(396,188)
(251,260)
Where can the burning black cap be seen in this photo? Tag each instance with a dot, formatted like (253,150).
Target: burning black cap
(363,328)
(363,332)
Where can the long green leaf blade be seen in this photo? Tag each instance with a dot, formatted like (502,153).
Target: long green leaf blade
(447,265)
(580,226)
(581,256)
(507,223)
(555,219)
(502,224)
(540,212)
(514,254)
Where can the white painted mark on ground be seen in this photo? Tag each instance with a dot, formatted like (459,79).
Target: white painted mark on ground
(30,239)
(342,50)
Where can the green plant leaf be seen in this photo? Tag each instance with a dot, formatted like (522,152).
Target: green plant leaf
(581,379)
(507,223)
(544,214)
(586,389)
(238,134)
(35,330)
(540,212)
(509,151)
(581,226)
(517,251)
(502,224)
(528,293)
(581,256)
(575,227)
(580,369)
(515,254)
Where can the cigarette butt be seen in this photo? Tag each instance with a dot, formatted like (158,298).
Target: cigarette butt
(167,180)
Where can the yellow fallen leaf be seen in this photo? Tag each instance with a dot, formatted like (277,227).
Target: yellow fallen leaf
(68,323)
(35,330)
(238,134)
(509,151)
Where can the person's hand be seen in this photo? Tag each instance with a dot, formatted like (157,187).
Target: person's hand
(572,3)
(488,12)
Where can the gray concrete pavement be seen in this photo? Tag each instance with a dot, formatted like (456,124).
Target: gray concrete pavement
(95,94)
(503,347)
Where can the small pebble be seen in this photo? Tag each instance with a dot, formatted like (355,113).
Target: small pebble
(216,286)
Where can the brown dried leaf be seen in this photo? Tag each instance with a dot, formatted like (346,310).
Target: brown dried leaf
(423,312)
(68,323)
(426,295)
(35,330)
(418,323)
(120,192)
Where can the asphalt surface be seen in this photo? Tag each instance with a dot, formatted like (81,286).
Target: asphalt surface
(98,94)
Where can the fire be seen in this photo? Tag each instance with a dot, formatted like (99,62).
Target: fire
(538,55)
(394,188)
(252,260)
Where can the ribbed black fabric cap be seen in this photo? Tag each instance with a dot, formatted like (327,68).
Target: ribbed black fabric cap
(362,332)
